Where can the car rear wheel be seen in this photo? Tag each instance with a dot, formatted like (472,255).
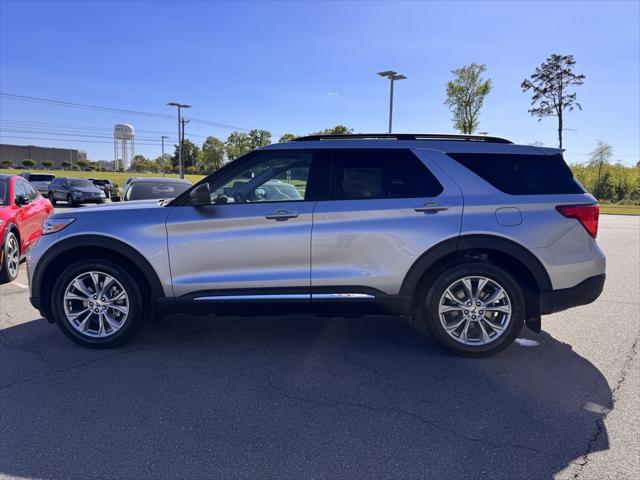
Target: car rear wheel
(473,309)
(10,259)
(52,199)
(97,303)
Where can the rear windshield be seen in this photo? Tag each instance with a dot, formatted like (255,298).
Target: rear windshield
(149,191)
(37,177)
(522,174)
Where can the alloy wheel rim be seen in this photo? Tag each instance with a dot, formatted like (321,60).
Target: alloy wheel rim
(475,310)
(13,256)
(96,304)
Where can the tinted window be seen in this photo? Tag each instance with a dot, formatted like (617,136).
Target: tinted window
(32,193)
(388,173)
(19,188)
(522,174)
(40,177)
(155,190)
(4,192)
(80,183)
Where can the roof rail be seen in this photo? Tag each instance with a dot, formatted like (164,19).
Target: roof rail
(405,136)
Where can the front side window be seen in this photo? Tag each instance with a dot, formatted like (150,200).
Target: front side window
(379,174)
(268,177)
(19,189)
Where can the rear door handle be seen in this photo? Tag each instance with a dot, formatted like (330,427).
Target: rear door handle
(431,207)
(281,215)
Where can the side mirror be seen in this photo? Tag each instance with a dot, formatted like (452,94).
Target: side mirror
(22,200)
(200,195)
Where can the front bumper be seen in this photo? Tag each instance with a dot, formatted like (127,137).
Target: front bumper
(585,292)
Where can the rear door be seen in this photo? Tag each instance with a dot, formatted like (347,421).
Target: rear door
(382,209)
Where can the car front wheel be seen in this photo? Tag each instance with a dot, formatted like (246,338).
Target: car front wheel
(474,309)
(10,259)
(97,303)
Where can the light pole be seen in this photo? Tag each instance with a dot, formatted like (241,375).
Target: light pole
(179,105)
(162,137)
(393,76)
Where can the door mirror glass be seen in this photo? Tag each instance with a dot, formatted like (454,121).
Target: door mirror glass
(200,195)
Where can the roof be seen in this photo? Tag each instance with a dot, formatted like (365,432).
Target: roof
(158,179)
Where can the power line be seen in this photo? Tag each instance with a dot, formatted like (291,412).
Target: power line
(84,106)
(67,134)
(69,140)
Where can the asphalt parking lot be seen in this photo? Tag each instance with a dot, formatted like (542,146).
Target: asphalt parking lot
(314,397)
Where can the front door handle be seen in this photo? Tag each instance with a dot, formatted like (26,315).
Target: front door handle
(281,215)
(431,207)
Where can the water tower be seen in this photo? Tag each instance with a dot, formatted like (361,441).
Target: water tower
(124,147)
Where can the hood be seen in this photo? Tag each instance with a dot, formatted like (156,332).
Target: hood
(113,207)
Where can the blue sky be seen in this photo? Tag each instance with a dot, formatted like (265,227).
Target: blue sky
(303,66)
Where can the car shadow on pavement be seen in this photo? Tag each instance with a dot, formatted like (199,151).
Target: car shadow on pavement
(292,397)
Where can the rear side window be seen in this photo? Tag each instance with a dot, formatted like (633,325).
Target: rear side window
(384,173)
(522,174)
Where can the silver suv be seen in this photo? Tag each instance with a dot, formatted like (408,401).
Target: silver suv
(467,237)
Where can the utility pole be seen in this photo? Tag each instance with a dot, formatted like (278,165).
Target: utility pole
(180,136)
(393,76)
(184,122)
(162,157)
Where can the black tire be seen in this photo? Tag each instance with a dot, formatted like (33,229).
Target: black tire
(70,201)
(115,199)
(11,248)
(428,314)
(136,303)
(52,199)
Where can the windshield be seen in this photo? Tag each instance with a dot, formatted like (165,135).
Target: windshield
(4,192)
(156,190)
(80,183)
(37,177)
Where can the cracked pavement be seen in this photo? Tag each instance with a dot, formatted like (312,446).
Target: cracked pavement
(318,397)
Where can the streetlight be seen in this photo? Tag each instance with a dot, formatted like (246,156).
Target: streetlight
(393,76)
(179,105)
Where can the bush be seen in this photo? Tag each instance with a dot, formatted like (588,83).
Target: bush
(47,163)
(28,163)
(6,163)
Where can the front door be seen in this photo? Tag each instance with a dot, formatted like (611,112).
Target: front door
(253,240)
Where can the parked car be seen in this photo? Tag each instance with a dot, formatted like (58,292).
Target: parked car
(150,188)
(22,213)
(468,237)
(74,191)
(39,180)
(109,188)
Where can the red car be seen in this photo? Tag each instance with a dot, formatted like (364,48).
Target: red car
(22,212)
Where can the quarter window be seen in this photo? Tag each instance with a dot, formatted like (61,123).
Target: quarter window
(379,174)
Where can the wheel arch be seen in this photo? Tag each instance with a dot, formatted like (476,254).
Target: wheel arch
(83,246)
(507,254)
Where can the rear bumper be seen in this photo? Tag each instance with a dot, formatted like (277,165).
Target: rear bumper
(585,292)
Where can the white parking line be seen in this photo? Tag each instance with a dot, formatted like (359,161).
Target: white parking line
(20,285)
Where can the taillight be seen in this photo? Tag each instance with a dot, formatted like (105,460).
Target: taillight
(587,215)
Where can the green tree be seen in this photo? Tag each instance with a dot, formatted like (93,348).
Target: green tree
(212,154)
(551,86)
(6,163)
(28,163)
(47,163)
(191,170)
(465,96)
(189,154)
(259,138)
(287,137)
(601,158)
(337,130)
(65,165)
(83,164)
(237,144)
